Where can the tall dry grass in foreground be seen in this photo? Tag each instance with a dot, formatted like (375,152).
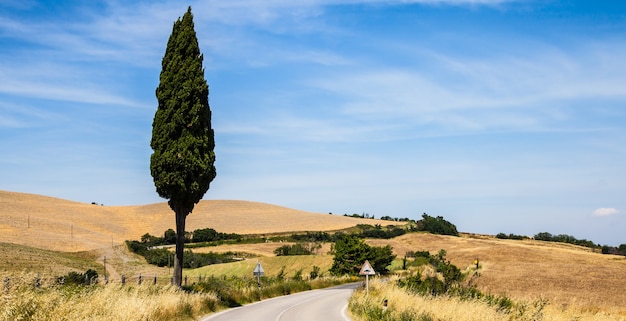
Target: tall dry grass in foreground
(405,306)
(52,302)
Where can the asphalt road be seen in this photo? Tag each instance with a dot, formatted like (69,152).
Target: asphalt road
(317,305)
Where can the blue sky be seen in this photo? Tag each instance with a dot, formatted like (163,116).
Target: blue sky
(500,116)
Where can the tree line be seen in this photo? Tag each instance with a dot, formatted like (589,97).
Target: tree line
(564,238)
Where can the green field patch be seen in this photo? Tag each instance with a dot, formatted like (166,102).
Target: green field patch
(271,265)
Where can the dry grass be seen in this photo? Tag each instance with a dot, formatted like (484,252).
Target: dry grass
(60,225)
(16,258)
(564,274)
(450,308)
(570,277)
(112,302)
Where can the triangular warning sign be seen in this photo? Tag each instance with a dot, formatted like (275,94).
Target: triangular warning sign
(367,269)
(258,270)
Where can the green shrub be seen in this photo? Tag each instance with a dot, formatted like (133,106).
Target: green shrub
(436,225)
(75,278)
(296,249)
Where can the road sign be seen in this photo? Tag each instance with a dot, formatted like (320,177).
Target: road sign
(367,269)
(258,270)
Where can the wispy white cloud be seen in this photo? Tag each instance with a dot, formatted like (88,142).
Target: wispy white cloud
(606,211)
(502,90)
(60,82)
(316,108)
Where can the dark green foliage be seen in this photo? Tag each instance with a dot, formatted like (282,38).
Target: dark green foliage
(396,219)
(563,238)
(150,240)
(74,278)
(182,164)
(380,257)
(183,142)
(606,249)
(169,237)
(436,225)
(621,250)
(296,249)
(351,252)
(511,236)
(204,235)
(196,260)
(211,235)
(158,257)
(433,284)
(315,273)
(379,232)
(162,256)
(136,247)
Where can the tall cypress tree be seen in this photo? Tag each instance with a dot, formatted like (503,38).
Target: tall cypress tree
(182,164)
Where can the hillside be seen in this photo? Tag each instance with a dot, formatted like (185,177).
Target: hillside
(62,225)
(565,274)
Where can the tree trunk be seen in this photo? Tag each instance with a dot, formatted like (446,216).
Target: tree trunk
(181,216)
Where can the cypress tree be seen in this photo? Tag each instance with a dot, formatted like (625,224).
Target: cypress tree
(182,163)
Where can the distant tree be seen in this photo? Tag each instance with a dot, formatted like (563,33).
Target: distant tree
(204,235)
(622,249)
(437,225)
(351,252)
(543,236)
(295,249)
(170,236)
(182,164)
(380,257)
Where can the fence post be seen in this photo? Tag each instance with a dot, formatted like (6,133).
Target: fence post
(185,280)
(7,284)
(123,279)
(37,281)
(155,278)
(139,281)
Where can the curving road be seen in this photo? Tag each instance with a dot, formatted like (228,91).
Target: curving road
(317,305)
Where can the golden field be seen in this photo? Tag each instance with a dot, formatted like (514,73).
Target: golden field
(61,225)
(564,274)
(403,305)
(31,226)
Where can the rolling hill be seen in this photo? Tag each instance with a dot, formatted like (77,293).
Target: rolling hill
(62,225)
(566,275)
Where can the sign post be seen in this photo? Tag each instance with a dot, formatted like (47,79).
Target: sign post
(367,270)
(258,272)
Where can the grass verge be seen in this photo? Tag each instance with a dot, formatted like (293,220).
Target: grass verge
(403,305)
(25,298)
